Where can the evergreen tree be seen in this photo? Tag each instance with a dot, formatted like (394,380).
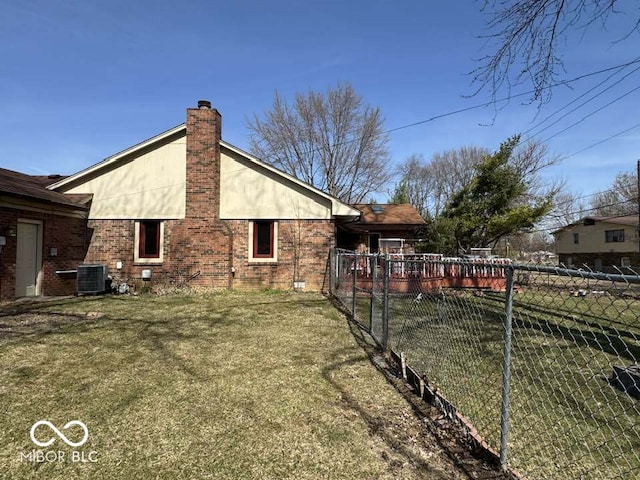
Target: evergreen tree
(494,204)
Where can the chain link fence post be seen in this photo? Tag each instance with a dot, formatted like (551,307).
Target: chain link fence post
(354,291)
(506,369)
(333,271)
(374,278)
(385,307)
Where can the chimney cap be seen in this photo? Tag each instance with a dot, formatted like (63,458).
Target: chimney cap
(204,104)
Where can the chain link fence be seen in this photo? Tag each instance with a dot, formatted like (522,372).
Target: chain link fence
(540,364)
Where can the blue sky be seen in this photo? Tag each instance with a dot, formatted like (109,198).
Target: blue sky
(81,80)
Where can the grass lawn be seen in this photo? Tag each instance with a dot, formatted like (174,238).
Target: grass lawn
(227,385)
(566,420)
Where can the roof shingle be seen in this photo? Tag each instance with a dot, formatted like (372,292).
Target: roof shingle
(34,187)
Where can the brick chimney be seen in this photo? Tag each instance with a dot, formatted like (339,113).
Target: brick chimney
(204,129)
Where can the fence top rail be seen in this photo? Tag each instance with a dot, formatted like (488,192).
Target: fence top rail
(579,272)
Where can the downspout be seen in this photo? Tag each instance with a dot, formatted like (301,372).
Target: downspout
(232,271)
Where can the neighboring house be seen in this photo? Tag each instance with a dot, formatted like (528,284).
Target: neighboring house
(42,236)
(186,204)
(599,242)
(390,228)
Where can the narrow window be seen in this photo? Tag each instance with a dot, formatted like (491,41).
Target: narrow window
(148,241)
(263,239)
(576,238)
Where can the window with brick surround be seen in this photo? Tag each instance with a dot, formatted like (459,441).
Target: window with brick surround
(614,236)
(263,241)
(148,244)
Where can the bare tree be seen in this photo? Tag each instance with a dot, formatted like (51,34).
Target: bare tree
(417,183)
(620,199)
(530,159)
(526,35)
(333,141)
(452,170)
(569,207)
(430,185)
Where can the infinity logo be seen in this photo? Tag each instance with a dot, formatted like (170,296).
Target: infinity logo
(59,433)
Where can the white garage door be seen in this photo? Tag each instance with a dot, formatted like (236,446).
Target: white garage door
(27,259)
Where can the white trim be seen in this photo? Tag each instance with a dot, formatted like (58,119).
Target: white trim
(136,245)
(273,259)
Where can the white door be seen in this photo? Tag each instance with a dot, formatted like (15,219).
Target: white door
(27,259)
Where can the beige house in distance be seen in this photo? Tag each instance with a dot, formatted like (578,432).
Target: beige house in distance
(599,242)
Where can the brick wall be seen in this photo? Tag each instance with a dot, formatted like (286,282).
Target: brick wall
(308,240)
(198,244)
(66,234)
(225,246)
(203,244)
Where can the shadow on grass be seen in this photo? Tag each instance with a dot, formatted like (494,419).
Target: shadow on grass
(460,456)
(378,426)
(596,335)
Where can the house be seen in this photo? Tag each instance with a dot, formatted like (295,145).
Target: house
(42,236)
(388,228)
(187,204)
(599,242)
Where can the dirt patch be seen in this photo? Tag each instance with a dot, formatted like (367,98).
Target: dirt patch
(428,433)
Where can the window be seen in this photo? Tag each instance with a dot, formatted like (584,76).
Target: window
(391,245)
(148,241)
(614,236)
(625,262)
(576,238)
(374,243)
(263,241)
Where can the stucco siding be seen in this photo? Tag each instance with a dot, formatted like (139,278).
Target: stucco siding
(249,192)
(149,185)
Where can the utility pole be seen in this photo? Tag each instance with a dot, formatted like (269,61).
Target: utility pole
(638,227)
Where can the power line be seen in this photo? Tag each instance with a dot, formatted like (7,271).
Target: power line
(598,207)
(601,192)
(592,113)
(602,141)
(578,98)
(486,104)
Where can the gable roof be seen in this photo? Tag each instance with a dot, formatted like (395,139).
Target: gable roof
(33,187)
(631,220)
(390,214)
(339,208)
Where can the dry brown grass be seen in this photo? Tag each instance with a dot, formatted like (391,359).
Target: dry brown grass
(226,385)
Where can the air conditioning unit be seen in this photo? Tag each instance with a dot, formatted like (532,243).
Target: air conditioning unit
(92,279)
